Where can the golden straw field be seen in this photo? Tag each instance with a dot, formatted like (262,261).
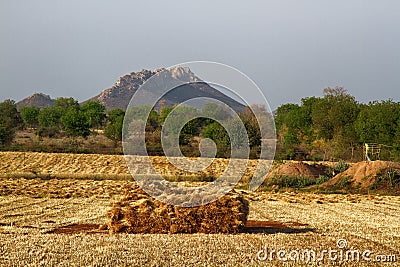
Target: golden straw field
(51,206)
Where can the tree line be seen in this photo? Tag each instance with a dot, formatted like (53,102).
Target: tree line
(332,127)
(336,126)
(197,129)
(66,117)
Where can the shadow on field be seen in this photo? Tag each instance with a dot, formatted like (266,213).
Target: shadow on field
(273,227)
(252,227)
(78,229)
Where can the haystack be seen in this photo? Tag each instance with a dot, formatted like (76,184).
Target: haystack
(137,212)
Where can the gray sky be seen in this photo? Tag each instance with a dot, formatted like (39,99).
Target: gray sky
(291,49)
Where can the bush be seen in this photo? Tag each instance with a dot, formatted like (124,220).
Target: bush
(345,181)
(341,166)
(76,123)
(291,181)
(322,179)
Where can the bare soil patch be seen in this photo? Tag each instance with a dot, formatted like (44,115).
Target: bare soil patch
(367,175)
(297,169)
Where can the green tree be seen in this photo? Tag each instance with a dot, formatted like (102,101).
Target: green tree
(143,112)
(153,121)
(216,111)
(302,129)
(378,122)
(396,143)
(95,112)
(294,128)
(30,116)
(284,115)
(49,122)
(239,136)
(10,121)
(63,104)
(115,121)
(253,130)
(216,132)
(333,119)
(335,114)
(138,112)
(177,117)
(164,113)
(49,117)
(76,123)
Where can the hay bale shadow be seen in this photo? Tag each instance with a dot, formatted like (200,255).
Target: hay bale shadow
(274,227)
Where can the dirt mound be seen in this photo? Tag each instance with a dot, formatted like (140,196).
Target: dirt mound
(137,212)
(364,175)
(296,169)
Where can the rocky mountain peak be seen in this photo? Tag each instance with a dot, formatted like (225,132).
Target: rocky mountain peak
(183,74)
(36,100)
(119,95)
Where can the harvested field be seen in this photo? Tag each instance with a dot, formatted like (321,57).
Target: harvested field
(55,222)
(93,166)
(62,232)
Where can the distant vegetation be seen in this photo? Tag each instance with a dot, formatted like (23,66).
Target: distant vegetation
(10,121)
(331,127)
(196,129)
(336,126)
(69,119)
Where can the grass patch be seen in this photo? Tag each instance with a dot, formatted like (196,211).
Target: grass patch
(291,181)
(341,166)
(345,181)
(322,179)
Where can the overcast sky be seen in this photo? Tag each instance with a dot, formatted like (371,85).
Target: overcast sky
(291,49)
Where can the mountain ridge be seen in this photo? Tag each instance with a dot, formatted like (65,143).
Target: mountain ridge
(121,92)
(38,100)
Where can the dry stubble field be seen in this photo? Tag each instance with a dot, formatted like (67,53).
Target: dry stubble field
(53,222)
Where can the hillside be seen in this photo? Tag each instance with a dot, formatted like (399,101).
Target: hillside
(36,100)
(119,95)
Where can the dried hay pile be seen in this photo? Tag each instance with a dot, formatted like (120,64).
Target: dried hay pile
(137,212)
